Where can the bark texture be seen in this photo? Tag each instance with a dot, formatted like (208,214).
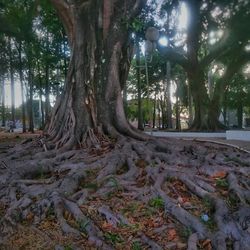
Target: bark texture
(94,194)
(101,53)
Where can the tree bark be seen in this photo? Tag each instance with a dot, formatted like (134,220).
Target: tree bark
(92,97)
(206,111)
(47,92)
(12,83)
(240,115)
(22,85)
(154,112)
(177,114)
(31,118)
(138,75)
(3,101)
(40,97)
(169,103)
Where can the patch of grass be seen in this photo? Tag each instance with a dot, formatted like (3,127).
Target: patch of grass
(113,238)
(185,233)
(222,183)
(130,208)
(170,179)
(208,204)
(50,213)
(123,169)
(211,224)
(237,160)
(209,209)
(41,174)
(157,202)
(82,225)
(91,172)
(133,228)
(136,245)
(114,183)
(68,247)
(93,186)
(232,201)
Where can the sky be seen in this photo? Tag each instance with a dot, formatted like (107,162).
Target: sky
(18,98)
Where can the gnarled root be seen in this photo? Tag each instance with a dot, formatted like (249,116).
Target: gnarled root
(121,194)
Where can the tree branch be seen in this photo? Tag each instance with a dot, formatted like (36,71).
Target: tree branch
(218,50)
(64,12)
(174,56)
(137,7)
(234,66)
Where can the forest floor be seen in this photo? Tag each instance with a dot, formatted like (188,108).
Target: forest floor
(186,195)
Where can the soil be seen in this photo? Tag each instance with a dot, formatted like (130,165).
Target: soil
(126,194)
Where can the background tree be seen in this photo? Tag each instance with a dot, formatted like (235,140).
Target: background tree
(206,18)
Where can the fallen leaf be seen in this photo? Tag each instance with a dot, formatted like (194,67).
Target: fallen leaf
(171,234)
(219,174)
(207,244)
(107,225)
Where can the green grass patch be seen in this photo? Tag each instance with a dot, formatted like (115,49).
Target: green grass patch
(222,183)
(136,245)
(157,203)
(113,238)
(237,160)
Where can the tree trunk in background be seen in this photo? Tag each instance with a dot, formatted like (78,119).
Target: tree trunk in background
(100,59)
(206,111)
(125,99)
(159,116)
(3,101)
(40,96)
(163,110)
(138,75)
(169,104)
(12,83)
(154,112)
(22,85)
(177,114)
(47,92)
(30,107)
(240,115)
(190,107)
(65,63)
(225,109)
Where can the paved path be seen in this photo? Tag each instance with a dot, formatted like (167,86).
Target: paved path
(213,137)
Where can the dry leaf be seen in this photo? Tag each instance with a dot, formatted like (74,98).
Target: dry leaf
(106,225)
(171,234)
(220,174)
(207,244)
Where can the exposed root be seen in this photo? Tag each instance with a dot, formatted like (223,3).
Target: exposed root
(129,193)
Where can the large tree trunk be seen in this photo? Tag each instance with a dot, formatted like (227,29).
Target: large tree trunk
(98,70)
(206,111)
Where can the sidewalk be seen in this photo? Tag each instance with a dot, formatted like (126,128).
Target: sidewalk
(198,136)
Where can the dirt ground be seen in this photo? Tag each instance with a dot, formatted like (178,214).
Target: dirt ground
(141,222)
